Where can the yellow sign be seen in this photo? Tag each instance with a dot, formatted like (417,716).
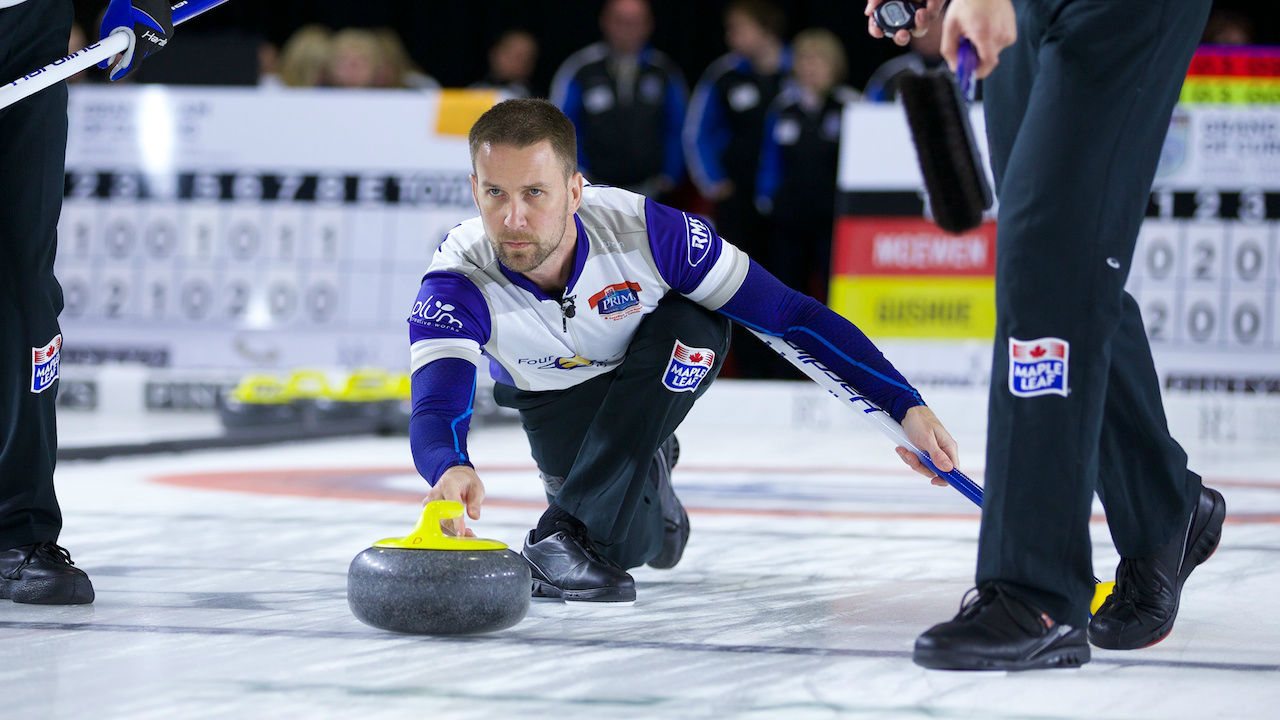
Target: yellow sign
(915,306)
(1231,90)
(459,110)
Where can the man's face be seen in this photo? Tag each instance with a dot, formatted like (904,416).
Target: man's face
(514,59)
(813,71)
(743,34)
(627,25)
(526,202)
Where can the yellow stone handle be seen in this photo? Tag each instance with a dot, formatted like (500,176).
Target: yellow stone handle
(427,534)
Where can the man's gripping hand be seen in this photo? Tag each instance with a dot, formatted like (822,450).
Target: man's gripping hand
(925,430)
(149,25)
(462,484)
(990,25)
(925,17)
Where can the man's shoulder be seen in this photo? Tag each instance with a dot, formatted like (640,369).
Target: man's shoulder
(465,250)
(725,69)
(585,58)
(612,216)
(612,203)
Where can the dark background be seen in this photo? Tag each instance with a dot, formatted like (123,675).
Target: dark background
(449,39)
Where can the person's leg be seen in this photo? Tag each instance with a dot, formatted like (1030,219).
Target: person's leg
(1073,199)
(1142,471)
(33,138)
(1163,521)
(609,487)
(1072,196)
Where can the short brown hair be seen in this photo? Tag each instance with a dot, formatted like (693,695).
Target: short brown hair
(765,14)
(524,122)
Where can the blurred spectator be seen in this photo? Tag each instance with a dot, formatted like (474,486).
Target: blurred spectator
(358,59)
(1228,27)
(627,101)
(722,135)
(511,62)
(364,58)
(798,160)
(726,117)
(304,60)
(923,53)
(269,65)
(397,70)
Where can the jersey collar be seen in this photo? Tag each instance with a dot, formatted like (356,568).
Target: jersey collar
(580,252)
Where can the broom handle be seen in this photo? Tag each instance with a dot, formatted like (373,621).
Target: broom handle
(84,58)
(967,61)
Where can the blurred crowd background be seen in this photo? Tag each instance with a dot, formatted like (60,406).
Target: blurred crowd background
(728,108)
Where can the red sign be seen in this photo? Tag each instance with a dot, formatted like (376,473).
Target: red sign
(869,245)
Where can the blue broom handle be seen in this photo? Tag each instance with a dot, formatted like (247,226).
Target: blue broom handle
(967,62)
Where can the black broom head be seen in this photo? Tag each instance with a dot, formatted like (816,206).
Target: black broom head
(949,159)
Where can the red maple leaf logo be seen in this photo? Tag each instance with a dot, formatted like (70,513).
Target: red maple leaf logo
(696,357)
(1037,351)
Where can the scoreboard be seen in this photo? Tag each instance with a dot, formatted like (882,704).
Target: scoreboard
(239,229)
(1206,271)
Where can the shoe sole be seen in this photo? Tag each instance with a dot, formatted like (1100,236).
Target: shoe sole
(1202,548)
(48,591)
(544,589)
(1067,657)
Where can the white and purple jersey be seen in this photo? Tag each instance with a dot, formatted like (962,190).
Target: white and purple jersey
(631,252)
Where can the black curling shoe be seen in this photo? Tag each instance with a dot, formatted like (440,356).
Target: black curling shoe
(567,565)
(43,574)
(997,631)
(675,520)
(1144,604)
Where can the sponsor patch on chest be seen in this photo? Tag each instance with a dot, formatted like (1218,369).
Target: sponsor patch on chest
(687,368)
(44,364)
(617,301)
(1038,367)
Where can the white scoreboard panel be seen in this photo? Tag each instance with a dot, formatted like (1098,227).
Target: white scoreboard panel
(1206,269)
(247,228)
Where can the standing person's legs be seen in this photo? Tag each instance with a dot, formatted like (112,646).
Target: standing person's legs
(1076,185)
(33,139)
(1072,193)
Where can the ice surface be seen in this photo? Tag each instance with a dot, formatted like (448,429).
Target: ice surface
(814,562)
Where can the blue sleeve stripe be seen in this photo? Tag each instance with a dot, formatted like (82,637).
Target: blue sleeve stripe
(453,426)
(829,346)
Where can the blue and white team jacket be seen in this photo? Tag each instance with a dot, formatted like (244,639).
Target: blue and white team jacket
(631,252)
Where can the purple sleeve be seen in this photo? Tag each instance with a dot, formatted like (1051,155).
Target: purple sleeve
(684,246)
(444,393)
(449,306)
(763,303)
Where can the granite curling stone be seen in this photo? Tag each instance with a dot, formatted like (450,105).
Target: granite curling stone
(430,583)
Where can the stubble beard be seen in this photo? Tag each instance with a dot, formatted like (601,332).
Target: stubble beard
(530,258)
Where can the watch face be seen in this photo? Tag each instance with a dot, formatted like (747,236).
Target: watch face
(894,14)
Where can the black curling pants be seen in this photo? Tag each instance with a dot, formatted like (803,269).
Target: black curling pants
(33,142)
(601,435)
(1077,111)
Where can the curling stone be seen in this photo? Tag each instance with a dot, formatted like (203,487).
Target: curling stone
(430,583)
(1101,591)
(257,401)
(359,405)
